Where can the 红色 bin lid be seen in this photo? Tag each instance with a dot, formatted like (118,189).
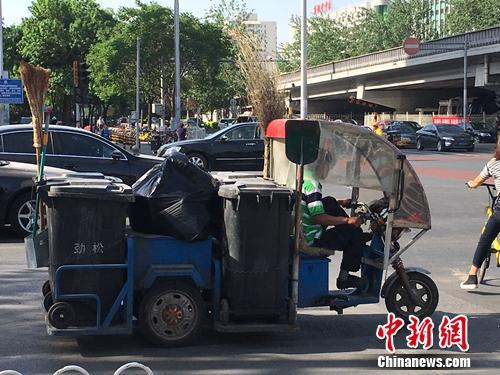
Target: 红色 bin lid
(254,186)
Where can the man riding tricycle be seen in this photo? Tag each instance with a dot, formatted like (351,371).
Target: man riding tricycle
(249,274)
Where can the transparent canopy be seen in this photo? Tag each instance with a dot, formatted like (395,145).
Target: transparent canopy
(354,156)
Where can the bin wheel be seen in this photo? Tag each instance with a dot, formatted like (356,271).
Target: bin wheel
(224,311)
(61,315)
(397,299)
(48,301)
(46,288)
(171,313)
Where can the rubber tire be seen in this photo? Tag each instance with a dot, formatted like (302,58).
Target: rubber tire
(151,297)
(439,146)
(202,159)
(61,315)
(481,273)
(46,288)
(397,286)
(48,301)
(419,145)
(13,211)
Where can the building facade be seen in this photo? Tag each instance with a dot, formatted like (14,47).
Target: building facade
(266,31)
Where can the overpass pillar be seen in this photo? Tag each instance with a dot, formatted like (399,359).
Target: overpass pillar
(360,91)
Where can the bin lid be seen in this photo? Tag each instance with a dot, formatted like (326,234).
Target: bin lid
(81,188)
(253,186)
(232,177)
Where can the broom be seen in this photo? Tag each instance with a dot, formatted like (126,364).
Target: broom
(36,85)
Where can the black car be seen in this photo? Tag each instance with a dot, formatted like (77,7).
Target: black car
(238,147)
(444,137)
(16,192)
(75,149)
(479,132)
(407,133)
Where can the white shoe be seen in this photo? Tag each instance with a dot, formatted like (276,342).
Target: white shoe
(470,283)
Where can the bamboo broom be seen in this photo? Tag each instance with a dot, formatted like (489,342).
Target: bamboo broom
(36,84)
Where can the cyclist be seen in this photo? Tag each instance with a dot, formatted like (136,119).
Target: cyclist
(492,227)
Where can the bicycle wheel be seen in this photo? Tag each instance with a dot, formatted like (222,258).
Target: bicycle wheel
(482,270)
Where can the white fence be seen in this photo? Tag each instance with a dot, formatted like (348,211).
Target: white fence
(79,370)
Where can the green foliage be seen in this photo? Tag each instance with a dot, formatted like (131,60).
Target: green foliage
(470,15)
(368,32)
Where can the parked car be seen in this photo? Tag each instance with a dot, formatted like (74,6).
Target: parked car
(16,194)
(76,150)
(238,147)
(244,118)
(225,122)
(444,137)
(407,133)
(479,132)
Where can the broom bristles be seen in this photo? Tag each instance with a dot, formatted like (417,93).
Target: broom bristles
(36,85)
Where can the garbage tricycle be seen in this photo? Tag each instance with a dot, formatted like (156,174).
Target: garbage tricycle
(246,275)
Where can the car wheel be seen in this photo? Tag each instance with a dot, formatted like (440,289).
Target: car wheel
(439,146)
(198,160)
(419,145)
(21,214)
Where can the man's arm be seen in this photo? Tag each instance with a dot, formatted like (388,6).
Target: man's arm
(478,181)
(327,220)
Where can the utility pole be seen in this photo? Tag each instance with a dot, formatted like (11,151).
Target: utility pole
(2,106)
(162,88)
(465,78)
(303,62)
(177,118)
(137,96)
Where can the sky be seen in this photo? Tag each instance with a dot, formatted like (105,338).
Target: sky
(14,11)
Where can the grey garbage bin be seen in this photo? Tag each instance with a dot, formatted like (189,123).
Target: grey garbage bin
(86,225)
(257,227)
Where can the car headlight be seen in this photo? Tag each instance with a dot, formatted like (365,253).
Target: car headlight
(448,139)
(484,134)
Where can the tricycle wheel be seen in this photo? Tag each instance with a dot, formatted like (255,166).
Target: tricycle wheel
(482,270)
(46,288)
(171,313)
(48,301)
(61,315)
(398,301)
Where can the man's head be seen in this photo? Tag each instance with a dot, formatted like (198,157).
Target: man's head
(325,161)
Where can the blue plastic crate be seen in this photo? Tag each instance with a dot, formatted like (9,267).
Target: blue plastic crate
(152,250)
(313,280)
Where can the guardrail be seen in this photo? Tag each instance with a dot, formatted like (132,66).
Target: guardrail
(474,39)
(80,370)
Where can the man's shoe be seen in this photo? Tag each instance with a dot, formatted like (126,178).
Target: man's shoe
(351,282)
(470,283)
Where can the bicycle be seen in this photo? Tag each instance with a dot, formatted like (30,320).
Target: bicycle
(495,245)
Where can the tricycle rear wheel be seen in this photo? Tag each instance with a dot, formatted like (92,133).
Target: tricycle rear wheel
(171,313)
(398,301)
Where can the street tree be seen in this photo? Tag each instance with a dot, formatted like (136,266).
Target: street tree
(56,33)
(470,15)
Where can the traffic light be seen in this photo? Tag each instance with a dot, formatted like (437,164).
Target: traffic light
(83,75)
(76,73)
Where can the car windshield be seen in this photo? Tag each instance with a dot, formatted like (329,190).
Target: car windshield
(220,132)
(450,129)
(405,128)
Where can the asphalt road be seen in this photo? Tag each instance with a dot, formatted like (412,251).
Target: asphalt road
(326,343)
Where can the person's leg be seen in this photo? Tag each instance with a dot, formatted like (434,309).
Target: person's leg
(491,230)
(347,239)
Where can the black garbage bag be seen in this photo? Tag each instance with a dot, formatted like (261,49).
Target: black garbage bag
(175,198)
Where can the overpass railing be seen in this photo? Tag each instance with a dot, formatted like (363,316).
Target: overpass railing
(475,39)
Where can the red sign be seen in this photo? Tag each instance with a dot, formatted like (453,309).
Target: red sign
(323,7)
(451,120)
(411,45)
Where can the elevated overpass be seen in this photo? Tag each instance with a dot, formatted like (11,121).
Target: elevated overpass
(394,79)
